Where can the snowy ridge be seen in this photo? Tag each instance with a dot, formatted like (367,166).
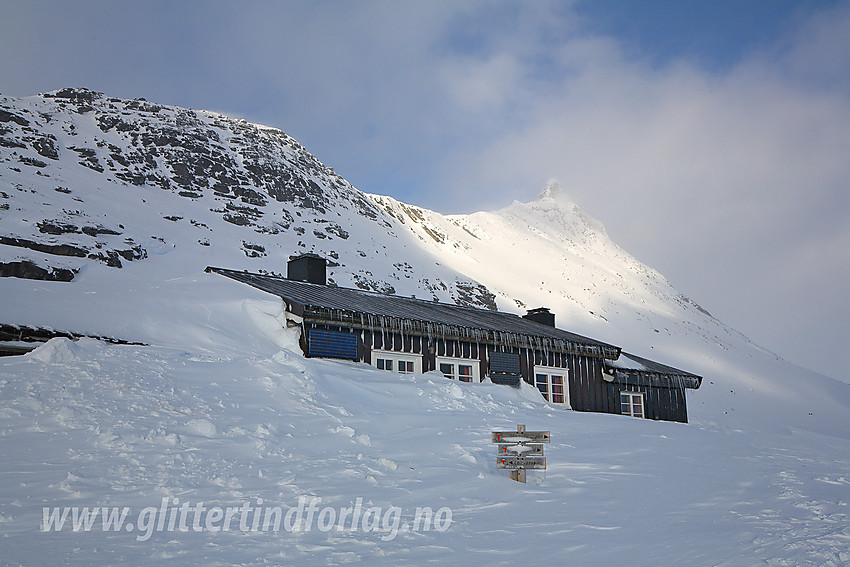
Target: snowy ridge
(549,253)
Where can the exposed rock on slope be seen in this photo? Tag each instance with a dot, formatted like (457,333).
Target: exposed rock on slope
(90,178)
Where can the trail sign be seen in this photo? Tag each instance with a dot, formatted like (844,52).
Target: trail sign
(521,463)
(520,436)
(520,450)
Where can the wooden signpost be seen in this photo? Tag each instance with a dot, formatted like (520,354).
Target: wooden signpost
(520,450)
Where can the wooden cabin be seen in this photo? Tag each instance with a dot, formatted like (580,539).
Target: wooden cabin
(407,335)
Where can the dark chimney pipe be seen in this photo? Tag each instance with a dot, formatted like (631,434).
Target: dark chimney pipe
(541,315)
(309,268)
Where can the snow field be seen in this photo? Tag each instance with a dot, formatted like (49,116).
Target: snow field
(90,424)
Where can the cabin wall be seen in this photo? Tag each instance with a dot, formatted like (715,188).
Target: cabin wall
(585,383)
(661,403)
(430,349)
(585,373)
(530,358)
(588,391)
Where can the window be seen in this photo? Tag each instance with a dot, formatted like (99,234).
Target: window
(631,403)
(552,383)
(399,362)
(462,369)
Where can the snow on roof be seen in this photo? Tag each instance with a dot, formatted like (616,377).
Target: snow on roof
(625,362)
(628,361)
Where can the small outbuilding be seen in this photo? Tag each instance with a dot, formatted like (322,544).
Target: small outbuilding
(407,335)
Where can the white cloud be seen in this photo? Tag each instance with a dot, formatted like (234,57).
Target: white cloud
(730,183)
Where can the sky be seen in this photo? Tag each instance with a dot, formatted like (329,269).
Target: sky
(711,138)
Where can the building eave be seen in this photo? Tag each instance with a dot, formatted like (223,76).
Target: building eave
(360,309)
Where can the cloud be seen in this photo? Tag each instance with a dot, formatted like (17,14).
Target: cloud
(734,183)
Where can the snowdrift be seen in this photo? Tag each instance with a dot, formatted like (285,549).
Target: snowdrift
(150,428)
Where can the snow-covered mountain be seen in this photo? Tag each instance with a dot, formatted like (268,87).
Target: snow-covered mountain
(91,179)
(109,211)
(111,193)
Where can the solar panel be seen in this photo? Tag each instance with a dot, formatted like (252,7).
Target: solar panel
(504,363)
(332,344)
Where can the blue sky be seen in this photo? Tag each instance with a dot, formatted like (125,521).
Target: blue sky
(710,137)
(717,34)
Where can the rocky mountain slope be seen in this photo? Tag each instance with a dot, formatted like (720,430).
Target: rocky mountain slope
(92,179)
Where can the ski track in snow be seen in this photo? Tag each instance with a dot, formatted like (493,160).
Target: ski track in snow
(89,424)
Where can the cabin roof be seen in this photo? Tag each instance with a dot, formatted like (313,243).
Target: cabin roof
(631,363)
(313,296)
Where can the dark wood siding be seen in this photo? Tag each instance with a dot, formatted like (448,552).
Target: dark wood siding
(660,403)
(588,391)
(430,349)
(663,399)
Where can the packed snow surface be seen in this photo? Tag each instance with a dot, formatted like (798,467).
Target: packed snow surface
(87,424)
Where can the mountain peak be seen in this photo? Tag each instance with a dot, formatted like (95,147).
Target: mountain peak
(74,93)
(552,191)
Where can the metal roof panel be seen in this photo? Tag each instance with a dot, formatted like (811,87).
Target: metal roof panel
(380,305)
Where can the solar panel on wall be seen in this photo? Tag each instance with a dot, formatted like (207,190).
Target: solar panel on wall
(504,368)
(504,363)
(332,344)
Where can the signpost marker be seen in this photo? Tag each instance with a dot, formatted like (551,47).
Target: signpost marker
(520,451)
(519,474)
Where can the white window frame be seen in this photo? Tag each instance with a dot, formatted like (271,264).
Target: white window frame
(628,409)
(548,372)
(397,357)
(455,362)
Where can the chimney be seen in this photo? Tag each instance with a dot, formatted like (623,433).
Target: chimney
(307,268)
(541,315)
